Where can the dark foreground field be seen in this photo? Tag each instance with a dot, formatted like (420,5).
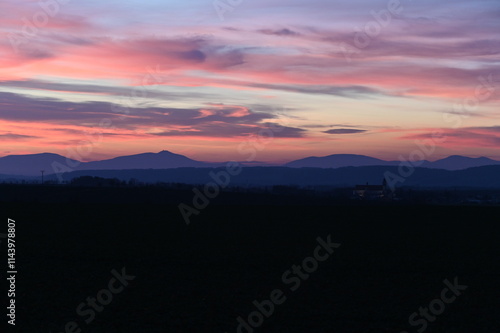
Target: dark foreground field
(202,277)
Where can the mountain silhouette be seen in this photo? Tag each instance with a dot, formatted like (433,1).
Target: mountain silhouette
(338,161)
(31,165)
(161,160)
(456,162)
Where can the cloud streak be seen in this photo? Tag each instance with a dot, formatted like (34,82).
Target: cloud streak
(216,120)
(344,131)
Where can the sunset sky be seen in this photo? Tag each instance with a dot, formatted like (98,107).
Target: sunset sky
(198,78)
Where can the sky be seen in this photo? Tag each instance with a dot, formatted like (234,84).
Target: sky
(203,78)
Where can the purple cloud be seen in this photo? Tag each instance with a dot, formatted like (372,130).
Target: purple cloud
(344,131)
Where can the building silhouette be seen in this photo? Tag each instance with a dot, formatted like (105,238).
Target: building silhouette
(373,192)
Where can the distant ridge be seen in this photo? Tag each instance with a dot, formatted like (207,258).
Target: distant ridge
(31,165)
(479,177)
(337,161)
(454,162)
(161,160)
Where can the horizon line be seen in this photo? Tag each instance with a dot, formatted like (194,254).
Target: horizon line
(251,162)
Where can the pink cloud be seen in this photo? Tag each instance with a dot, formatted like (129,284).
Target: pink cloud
(458,138)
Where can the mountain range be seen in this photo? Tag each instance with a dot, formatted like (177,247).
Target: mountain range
(454,162)
(32,165)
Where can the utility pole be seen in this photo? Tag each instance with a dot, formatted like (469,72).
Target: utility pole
(42,171)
